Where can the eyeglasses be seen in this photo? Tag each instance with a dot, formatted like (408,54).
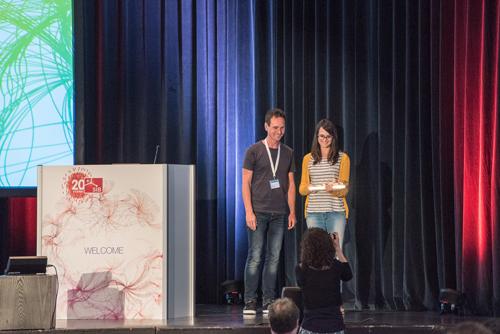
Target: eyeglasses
(323,137)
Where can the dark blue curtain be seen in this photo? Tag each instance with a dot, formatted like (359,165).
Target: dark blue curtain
(196,78)
(184,75)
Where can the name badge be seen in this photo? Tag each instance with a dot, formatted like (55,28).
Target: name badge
(275,184)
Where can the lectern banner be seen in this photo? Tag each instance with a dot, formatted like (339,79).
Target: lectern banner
(103,228)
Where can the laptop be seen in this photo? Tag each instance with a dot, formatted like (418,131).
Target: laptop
(26,265)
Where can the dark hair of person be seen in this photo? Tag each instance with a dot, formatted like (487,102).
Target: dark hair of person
(283,315)
(469,327)
(316,249)
(493,324)
(275,112)
(333,155)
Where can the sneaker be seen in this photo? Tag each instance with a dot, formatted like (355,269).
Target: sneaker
(265,308)
(250,308)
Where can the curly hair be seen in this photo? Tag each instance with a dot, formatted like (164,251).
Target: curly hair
(317,249)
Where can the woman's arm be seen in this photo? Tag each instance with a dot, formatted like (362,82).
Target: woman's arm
(344,174)
(346,272)
(336,245)
(304,179)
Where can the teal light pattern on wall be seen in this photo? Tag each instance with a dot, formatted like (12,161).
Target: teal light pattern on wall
(36,88)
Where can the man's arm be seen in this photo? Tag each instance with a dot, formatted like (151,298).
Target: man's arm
(246,192)
(291,201)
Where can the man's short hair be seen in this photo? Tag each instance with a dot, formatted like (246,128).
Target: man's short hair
(275,112)
(283,315)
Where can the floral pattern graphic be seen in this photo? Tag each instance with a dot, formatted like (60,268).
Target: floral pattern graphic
(108,250)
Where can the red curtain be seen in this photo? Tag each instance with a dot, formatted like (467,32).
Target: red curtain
(476,170)
(21,226)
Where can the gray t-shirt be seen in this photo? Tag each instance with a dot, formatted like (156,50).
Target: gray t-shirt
(265,199)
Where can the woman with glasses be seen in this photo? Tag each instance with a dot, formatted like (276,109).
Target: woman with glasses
(325,181)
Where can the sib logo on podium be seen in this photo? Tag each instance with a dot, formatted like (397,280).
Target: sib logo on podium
(93,185)
(79,183)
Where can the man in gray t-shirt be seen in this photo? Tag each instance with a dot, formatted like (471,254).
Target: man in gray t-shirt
(268,190)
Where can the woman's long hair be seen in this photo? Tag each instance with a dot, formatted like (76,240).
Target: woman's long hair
(333,155)
(316,249)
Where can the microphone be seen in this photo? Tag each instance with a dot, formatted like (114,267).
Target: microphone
(156,153)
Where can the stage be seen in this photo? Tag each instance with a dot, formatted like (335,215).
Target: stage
(229,319)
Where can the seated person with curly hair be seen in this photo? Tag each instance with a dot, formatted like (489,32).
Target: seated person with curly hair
(322,266)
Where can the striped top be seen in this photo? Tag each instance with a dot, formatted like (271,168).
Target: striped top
(305,180)
(320,173)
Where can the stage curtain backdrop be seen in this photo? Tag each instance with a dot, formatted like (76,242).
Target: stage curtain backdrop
(476,45)
(412,88)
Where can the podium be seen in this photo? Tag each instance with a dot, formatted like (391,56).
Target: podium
(121,237)
(27,302)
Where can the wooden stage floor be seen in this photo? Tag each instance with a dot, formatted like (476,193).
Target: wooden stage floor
(229,319)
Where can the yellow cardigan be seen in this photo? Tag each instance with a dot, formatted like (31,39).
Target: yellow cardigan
(345,165)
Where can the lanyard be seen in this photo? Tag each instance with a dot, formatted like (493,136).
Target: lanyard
(274,167)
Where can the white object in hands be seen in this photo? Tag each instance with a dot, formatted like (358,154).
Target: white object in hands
(317,187)
(338,186)
(335,186)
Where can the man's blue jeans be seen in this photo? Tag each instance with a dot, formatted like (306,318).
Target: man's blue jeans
(264,247)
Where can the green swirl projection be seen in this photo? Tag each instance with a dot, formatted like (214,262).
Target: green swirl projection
(36,88)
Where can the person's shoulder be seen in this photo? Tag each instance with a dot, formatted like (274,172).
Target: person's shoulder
(252,154)
(344,155)
(286,148)
(339,265)
(308,156)
(256,146)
